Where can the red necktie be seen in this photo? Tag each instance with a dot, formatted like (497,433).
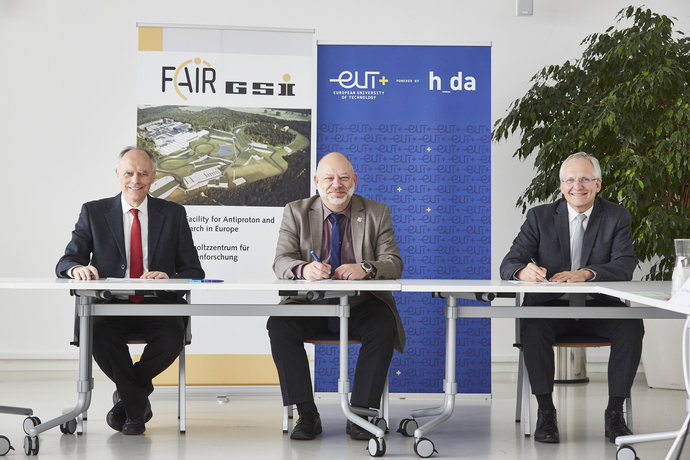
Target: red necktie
(136,258)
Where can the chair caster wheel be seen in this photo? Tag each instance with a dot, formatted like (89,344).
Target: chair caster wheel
(424,448)
(376,447)
(5,445)
(381,423)
(626,453)
(68,427)
(30,422)
(31,445)
(407,427)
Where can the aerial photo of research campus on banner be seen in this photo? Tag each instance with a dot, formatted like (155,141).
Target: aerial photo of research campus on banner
(227,156)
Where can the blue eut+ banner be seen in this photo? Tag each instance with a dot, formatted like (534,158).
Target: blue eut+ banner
(415,121)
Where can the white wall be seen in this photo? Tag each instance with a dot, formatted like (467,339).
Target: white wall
(67,85)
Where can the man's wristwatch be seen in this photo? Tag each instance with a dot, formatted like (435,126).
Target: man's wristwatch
(368,270)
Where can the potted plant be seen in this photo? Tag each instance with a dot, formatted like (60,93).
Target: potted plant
(626,101)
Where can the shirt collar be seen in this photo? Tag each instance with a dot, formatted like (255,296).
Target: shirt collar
(572,214)
(327,212)
(143,207)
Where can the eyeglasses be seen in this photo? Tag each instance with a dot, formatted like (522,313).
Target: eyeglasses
(582,180)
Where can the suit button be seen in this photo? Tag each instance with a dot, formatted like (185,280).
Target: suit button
(123,266)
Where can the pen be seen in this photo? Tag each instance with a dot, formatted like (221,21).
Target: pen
(534,261)
(313,254)
(206,281)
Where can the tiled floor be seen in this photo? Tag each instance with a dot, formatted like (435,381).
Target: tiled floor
(247,425)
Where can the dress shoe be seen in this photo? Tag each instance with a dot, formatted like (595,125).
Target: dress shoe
(116,416)
(547,428)
(614,425)
(307,427)
(133,426)
(148,413)
(357,432)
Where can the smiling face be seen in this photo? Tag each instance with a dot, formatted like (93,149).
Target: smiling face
(336,181)
(136,173)
(579,196)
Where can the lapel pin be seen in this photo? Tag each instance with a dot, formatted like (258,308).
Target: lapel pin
(359,219)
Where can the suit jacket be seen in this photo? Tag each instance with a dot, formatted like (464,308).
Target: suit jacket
(98,239)
(373,240)
(607,247)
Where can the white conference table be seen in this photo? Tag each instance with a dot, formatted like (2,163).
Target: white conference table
(88,294)
(647,300)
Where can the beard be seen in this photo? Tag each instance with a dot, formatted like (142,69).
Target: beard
(324,194)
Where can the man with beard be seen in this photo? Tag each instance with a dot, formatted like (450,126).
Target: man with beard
(341,236)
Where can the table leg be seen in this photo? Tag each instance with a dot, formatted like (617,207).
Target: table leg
(344,385)
(623,442)
(85,381)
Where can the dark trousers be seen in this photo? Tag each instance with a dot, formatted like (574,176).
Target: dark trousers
(372,322)
(625,335)
(164,338)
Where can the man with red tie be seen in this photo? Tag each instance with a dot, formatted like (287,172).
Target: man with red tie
(133,235)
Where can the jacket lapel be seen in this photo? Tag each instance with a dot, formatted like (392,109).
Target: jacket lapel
(357,223)
(315,228)
(156,222)
(560,219)
(113,219)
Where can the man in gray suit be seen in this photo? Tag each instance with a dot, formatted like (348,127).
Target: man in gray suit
(578,238)
(341,236)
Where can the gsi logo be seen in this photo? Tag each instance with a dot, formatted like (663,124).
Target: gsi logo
(348,79)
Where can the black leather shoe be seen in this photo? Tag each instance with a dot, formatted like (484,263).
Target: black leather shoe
(357,432)
(547,428)
(614,425)
(148,413)
(133,426)
(306,428)
(116,416)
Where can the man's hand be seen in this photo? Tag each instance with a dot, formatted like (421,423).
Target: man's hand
(155,276)
(575,276)
(314,271)
(349,272)
(532,272)
(88,272)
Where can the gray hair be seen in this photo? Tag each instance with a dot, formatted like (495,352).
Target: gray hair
(586,156)
(133,147)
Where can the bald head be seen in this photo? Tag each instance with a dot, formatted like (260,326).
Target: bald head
(336,181)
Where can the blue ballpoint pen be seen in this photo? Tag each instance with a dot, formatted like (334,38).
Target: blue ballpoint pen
(313,254)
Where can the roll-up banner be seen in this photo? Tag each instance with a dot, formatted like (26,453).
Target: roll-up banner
(415,120)
(228,114)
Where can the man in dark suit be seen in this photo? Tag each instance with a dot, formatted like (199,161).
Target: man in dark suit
(578,238)
(133,235)
(341,236)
